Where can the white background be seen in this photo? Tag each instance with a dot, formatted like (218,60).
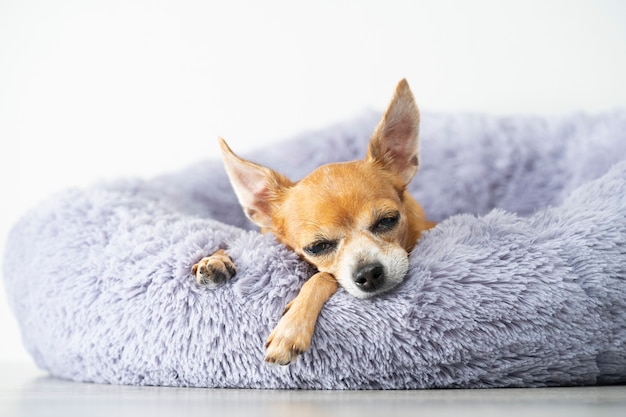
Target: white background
(93,90)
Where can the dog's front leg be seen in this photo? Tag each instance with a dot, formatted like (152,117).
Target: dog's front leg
(292,335)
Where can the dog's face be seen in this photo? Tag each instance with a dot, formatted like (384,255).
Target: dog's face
(354,220)
(349,220)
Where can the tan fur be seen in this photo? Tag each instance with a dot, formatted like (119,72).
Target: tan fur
(292,336)
(354,221)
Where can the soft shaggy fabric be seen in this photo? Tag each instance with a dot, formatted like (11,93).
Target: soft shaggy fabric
(522,284)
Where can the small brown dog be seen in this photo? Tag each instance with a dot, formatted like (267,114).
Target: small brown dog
(354,221)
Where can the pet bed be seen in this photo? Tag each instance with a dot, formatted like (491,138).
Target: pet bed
(522,283)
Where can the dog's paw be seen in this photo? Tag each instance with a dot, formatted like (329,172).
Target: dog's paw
(214,270)
(290,338)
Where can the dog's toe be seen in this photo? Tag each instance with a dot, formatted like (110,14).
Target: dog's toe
(211,276)
(286,343)
(283,356)
(214,270)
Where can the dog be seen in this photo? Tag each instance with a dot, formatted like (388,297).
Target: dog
(354,222)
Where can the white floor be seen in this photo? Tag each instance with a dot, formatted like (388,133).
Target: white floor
(26,391)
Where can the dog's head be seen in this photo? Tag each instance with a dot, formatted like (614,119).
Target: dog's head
(354,220)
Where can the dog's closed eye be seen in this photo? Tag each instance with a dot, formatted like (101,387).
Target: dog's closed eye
(321,247)
(385,223)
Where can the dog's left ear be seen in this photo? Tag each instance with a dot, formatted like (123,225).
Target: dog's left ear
(395,142)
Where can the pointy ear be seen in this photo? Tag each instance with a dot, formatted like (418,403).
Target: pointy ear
(395,142)
(257,187)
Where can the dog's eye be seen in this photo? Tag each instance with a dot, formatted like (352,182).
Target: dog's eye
(385,223)
(320,248)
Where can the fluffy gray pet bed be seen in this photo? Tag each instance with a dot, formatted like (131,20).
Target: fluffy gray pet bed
(522,284)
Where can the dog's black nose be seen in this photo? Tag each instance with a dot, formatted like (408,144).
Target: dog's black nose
(370,277)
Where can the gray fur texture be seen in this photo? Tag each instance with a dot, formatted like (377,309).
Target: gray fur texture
(522,283)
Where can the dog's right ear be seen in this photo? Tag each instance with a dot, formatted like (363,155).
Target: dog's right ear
(257,188)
